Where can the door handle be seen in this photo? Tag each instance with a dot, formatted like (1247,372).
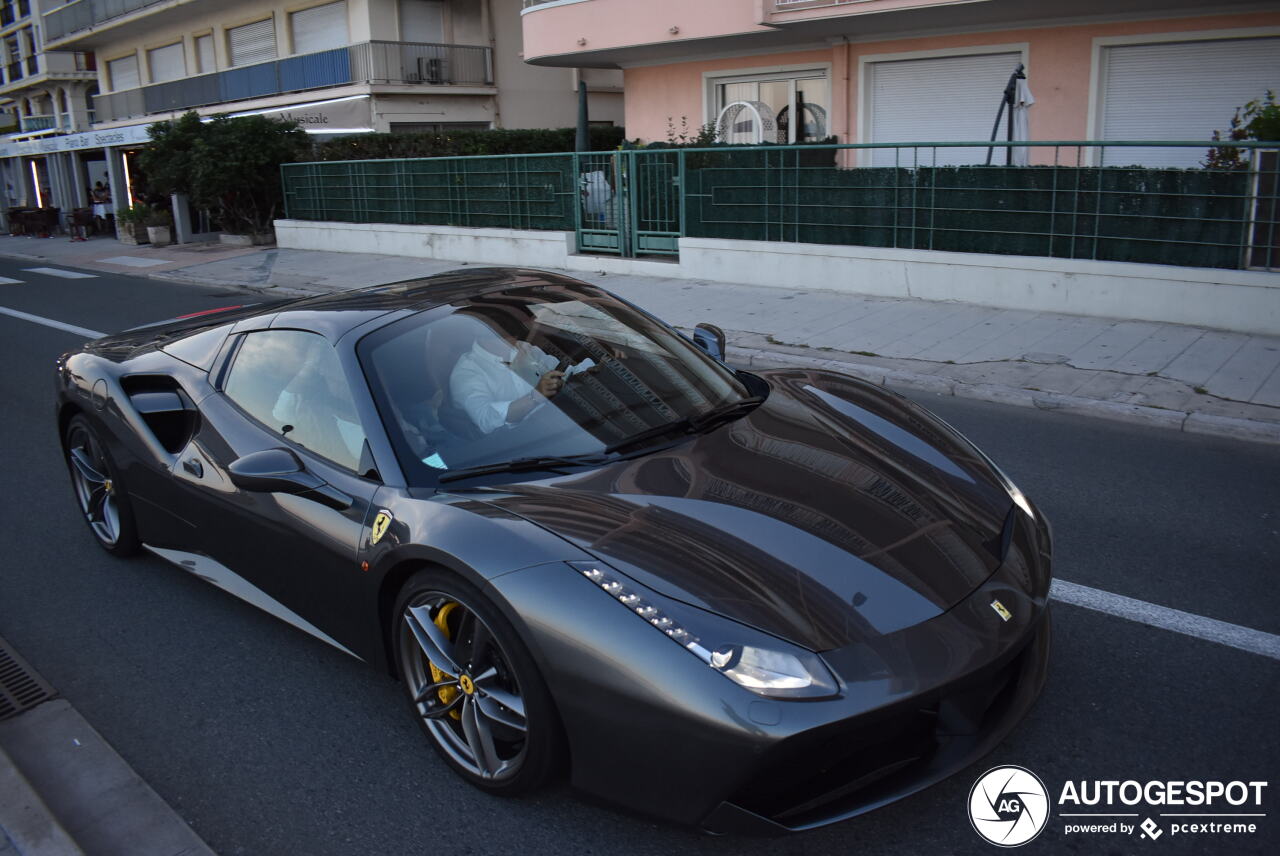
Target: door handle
(193,466)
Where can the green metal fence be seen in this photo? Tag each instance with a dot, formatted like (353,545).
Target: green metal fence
(640,202)
(501,191)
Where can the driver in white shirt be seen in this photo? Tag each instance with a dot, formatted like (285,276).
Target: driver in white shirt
(498,383)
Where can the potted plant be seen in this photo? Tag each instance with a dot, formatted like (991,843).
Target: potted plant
(131,224)
(159,222)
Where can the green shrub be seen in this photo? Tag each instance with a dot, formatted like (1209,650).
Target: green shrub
(229,165)
(462,143)
(134,215)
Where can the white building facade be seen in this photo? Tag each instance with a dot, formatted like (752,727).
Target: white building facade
(336,66)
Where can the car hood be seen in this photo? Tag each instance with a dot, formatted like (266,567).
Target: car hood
(834,512)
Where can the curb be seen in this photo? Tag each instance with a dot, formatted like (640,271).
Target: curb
(86,790)
(1188,422)
(26,824)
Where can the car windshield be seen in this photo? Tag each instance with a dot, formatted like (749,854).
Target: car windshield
(560,370)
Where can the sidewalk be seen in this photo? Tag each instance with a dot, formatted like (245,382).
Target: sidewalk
(1187,378)
(64,791)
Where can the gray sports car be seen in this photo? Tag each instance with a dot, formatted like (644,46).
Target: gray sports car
(751,602)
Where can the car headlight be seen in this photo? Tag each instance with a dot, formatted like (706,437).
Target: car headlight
(748,657)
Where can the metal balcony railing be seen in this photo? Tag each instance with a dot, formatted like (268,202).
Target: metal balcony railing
(38,123)
(83,14)
(367,62)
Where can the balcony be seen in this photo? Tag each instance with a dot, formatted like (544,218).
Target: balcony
(38,123)
(55,65)
(21,68)
(778,11)
(83,14)
(367,62)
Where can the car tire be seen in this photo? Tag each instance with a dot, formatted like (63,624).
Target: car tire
(492,720)
(100,494)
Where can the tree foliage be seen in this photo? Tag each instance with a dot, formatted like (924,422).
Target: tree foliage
(230,165)
(1259,119)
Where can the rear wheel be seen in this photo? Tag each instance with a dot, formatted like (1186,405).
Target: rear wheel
(99,492)
(473,686)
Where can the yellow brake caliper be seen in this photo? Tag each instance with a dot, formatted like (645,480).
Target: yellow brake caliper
(446,694)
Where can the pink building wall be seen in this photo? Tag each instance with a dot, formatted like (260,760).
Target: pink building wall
(604,24)
(1059,62)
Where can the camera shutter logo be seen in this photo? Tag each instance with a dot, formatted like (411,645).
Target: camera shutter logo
(1008,806)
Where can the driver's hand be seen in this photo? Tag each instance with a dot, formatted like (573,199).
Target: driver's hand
(550,383)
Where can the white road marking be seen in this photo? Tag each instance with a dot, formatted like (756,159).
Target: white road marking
(1166,618)
(65,274)
(134,261)
(49,322)
(4,280)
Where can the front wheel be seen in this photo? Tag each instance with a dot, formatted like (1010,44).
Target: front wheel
(473,686)
(99,492)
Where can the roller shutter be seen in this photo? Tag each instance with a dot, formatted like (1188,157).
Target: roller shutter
(252,43)
(319,28)
(204,53)
(938,99)
(124,73)
(167,63)
(1180,91)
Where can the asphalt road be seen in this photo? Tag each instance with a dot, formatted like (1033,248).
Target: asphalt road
(270,742)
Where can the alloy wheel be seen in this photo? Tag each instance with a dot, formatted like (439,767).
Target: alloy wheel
(95,489)
(462,686)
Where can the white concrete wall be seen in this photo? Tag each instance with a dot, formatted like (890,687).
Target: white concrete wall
(1245,301)
(491,246)
(1248,301)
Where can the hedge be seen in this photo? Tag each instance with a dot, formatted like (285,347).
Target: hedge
(463,143)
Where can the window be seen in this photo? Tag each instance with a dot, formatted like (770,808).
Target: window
(422,21)
(319,28)
(762,107)
(1179,91)
(292,382)
(252,43)
(437,127)
(458,385)
(124,73)
(204,54)
(935,99)
(167,63)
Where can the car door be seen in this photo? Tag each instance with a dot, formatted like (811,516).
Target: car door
(291,553)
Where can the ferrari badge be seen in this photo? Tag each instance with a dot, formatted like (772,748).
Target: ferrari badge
(380,524)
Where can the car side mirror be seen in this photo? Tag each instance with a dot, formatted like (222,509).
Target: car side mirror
(281,471)
(710,339)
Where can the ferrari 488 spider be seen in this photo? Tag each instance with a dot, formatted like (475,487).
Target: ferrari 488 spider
(751,602)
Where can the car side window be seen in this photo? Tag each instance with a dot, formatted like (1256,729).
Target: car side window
(292,382)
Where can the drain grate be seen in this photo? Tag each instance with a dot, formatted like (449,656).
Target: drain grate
(20,687)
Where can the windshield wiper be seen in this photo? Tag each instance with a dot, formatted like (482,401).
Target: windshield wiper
(554,463)
(692,424)
(707,420)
